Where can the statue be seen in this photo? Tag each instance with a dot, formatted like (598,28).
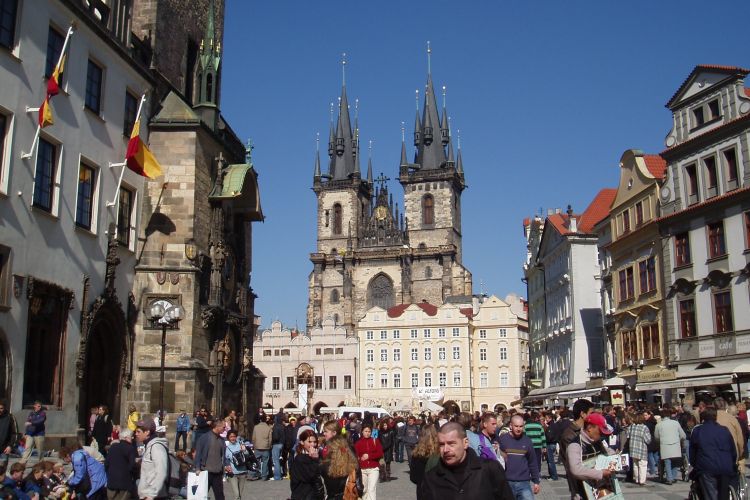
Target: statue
(224,351)
(247,360)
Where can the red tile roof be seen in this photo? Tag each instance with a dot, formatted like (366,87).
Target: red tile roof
(706,67)
(702,204)
(656,165)
(397,311)
(467,311)
(747,92)
(526,221)
(597,210)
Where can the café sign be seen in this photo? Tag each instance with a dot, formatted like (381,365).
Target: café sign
(656,375)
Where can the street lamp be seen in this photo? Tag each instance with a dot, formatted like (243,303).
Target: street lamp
(636,367)
(165,314)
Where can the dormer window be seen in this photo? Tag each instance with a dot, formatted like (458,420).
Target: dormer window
(706,113)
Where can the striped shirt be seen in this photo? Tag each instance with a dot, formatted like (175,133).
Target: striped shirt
(535,432)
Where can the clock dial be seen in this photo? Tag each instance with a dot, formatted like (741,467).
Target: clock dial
(381,212)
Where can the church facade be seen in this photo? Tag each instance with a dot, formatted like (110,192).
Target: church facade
(369,252)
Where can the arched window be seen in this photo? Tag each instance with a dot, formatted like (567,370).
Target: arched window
(380,292)
(334,296)
(428,210)
(209,87)
(337,218)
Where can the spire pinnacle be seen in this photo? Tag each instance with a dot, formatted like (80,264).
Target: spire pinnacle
(343,68)
(417,98)
(444,96)
(404,161)
(316,173)
(459,161)
(429,57)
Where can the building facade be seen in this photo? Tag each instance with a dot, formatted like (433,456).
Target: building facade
(570,345)
(704,229)
(636,271)
(307,371)
(196,243)
(66,255)
(368,252)
(466,354)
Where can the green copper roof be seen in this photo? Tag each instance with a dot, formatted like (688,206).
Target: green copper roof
(241,187)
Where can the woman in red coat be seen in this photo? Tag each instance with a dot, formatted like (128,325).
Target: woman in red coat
(369,452)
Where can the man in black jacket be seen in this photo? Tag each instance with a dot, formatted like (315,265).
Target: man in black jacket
(461,473)
(120,467)
(8,433)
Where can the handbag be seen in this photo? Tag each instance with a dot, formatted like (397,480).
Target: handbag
(197,486)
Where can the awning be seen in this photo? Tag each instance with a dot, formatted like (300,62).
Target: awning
(686,382)
(553,391)
(429,405)
(581,393)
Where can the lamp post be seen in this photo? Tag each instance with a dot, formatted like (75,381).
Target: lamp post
(165,314)
(636,367)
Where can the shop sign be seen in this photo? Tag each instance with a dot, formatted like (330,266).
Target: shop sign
(656,375)
(427,393)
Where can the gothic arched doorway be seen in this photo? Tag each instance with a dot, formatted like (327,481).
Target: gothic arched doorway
(104,351)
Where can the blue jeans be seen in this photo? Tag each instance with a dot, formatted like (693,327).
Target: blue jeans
(521,490)
(551,467)
(669,471)
(653,462)
(399,451)
(263,456)
(276,454)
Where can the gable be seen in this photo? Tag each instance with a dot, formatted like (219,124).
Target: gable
(702,80)
(635,177)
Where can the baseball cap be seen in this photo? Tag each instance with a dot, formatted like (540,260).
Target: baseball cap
(147,424)
(598,419)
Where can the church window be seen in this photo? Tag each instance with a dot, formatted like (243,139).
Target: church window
(428,272)
(334,296)
(209,87)
(337,218)
(428,210)
(380,292)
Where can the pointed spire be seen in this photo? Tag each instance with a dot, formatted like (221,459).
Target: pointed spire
(369,165)
(357,170)
(316,174)
(429,56)
(331,136)
(404,161)
(459,161)
(430,153)
(444,126)
(343,163)
(417,124)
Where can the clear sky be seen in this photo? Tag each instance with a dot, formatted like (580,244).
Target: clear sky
(547,96)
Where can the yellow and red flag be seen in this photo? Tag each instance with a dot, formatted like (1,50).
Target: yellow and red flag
(138,157)
(53,88)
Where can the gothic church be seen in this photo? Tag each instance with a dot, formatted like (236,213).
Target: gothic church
(370,254)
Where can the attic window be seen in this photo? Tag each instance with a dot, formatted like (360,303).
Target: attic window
(706,113)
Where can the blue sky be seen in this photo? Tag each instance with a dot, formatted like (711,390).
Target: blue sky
(547,96)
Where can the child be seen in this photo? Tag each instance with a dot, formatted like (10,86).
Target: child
(54,480)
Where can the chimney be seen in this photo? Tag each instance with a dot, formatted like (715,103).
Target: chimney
(572,222)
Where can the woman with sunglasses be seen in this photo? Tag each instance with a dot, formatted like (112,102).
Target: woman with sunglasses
(306,481)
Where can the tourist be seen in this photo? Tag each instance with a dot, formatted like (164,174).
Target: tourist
(34,432)
(369,451)
(102,433)
(588,444)
(426,455)
(8,433)
(89,477)
(638,439)
(262,445)
(120,467)
(521,464)
(410,437)
(236,460)
(450,479)
(182,429)
(154,462)
(306,482)
(340,468)
(277,445)
(713,456)
(670,437)
(387,437)
(210,456)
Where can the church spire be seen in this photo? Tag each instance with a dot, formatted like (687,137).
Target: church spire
(209,60)
(444,126)
(404,161)
(345,147)
(369,165)
(459,161)
(430,153)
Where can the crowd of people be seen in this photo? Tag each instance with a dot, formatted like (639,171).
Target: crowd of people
(485,455)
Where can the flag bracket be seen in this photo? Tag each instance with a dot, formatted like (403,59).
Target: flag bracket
(32,110)
(122,164)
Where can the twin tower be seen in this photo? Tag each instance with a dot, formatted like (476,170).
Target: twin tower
(371,254)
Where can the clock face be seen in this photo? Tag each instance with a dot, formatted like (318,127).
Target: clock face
(381,212)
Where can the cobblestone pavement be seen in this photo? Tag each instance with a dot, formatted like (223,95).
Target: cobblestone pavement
(403,489)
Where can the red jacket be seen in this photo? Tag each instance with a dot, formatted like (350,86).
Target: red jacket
(372,448)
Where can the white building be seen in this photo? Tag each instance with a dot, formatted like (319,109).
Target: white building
(65,312)
(467,354)
(568,338)
(705,230)
(325,359)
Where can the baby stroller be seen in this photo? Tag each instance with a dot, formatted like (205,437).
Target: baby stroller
(252,463)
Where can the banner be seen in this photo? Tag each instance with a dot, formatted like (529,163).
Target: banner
(302,398)
(428,393)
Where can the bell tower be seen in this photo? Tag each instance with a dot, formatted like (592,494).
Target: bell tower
(344,201)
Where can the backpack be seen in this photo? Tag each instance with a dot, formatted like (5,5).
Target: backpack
(354,487)
(486,451)
(172,483)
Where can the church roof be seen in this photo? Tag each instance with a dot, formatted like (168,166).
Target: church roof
(397,311)
(174,109)
(656,165)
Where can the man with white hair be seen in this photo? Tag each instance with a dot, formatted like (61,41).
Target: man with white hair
(120,467)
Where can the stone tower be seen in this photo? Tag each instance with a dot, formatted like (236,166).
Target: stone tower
(368,254)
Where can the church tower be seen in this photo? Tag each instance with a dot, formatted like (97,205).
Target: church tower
(432,202)
(368,252)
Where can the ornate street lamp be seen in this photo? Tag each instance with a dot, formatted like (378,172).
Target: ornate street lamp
(636,367)
(164,313)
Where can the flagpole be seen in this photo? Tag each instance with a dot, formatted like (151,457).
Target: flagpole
(26,156)
(124,165)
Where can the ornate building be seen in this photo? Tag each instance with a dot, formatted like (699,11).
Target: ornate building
(368,254)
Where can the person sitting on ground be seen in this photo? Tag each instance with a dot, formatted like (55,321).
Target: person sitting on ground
(54,481)
(84,466)
(14,483)
(460,472)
